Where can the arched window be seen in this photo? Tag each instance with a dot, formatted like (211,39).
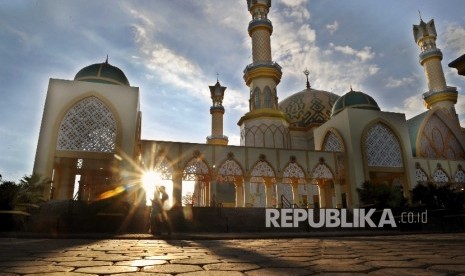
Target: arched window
(228,171)
(333,143)
(267,97)
(440,176)
(321,171)
(382,147)
(257,102)
(88,126)
(460,176)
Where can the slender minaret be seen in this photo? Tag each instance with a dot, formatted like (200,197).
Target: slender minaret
(217,112)
(439,93)
(264,125)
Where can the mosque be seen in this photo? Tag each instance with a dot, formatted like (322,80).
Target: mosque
(312,149)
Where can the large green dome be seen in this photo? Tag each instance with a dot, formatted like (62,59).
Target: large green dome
(354,99)
(102,73)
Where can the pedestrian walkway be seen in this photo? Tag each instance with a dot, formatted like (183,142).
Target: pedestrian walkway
(422,254)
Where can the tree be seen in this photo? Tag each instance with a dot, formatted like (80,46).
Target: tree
(381,195)
(8,194)
(31,189)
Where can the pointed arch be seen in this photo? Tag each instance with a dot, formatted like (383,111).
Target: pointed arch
(440,176)
(382,146)
(333,141)
(260,170)
(257,98)
(322,171)
(229,170)
(293,171)
(460,176)
(89,125)
(196,169)
(438,138)
(268,97)
(420,175)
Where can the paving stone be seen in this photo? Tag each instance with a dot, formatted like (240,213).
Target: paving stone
(84,263)
(277,271)
(395,264)
(405,272)
(448,268)
(140,274)
(25,263)
(167,257)
(115,258)
(60,274)
(231,266)
(212,273)
(172,268)
(140,263)
(37,269)
(106,269)
(196,261)
(67,258)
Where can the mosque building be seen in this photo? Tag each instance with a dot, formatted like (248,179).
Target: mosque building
(312,149)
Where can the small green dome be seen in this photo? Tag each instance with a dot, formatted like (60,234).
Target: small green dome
(354,99)
(102,73)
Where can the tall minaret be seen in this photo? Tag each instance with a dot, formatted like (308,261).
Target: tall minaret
(217,112)
(264,125)
(439,93)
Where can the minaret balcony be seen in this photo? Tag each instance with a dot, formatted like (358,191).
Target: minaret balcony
(429,54)
(260,23)
(265,69)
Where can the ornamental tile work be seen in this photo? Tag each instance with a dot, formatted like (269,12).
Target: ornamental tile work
(333,143)
(164,169)
(228,170)
(196,169)
(460,176)
(321,171)
(438,142)
(308,108)
(88,126)
(382,147)
(420,175)
(293,171)
(440,176)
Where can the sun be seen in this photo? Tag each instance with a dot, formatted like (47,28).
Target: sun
(150,181)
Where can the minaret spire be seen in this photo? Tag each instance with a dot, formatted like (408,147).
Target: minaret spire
(306,73)
(438,94)
(217,112)
(262,76)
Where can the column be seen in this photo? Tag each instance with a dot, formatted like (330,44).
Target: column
(337,191)
(310,202)
(269,192)
(295,192)
(322,194)
(177,186)
(240,200)
(246,191)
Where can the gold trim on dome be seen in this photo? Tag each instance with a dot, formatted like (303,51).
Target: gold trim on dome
(440,97)
(262,72)
(260,113)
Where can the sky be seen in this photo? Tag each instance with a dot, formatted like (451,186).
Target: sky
(173,50)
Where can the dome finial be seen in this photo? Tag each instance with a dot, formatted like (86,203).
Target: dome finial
(217,76)
(306,72)
(351,90)
(106,61)
(419,14)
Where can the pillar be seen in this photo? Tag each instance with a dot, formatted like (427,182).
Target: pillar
(310,202)
(295,192)
(337,191)
(322,194)
(269,192)
(177,186)
(240,200)
(246,186)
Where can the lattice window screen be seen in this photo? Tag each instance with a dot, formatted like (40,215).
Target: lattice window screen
(440,176)
(460,176)
(420,175)
(333,143)
(88,126)
(322,172)
(382,147)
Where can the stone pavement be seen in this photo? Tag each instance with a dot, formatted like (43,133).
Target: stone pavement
(425,254)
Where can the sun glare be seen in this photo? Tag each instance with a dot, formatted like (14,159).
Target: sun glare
(150,181)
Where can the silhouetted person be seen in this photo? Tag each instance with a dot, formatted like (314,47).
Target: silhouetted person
(159,217)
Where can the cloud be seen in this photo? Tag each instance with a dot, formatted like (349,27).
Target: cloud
(454,38)
(332,28)
(411,107)
(365,54)
(295,9)
(394,83)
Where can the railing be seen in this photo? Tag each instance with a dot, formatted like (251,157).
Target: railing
(285,203)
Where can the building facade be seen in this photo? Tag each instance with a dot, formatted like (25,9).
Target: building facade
(314,148)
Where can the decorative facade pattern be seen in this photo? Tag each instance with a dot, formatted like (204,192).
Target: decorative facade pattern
(260,170)
(440,176)
(293,172)
(438,142)
(88,126)
(420,175)
(333,143)
(164,170)
(321,171)
(382,147)
(460,177)
(228,170)
(308,108)
(196,169)
(264,135)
